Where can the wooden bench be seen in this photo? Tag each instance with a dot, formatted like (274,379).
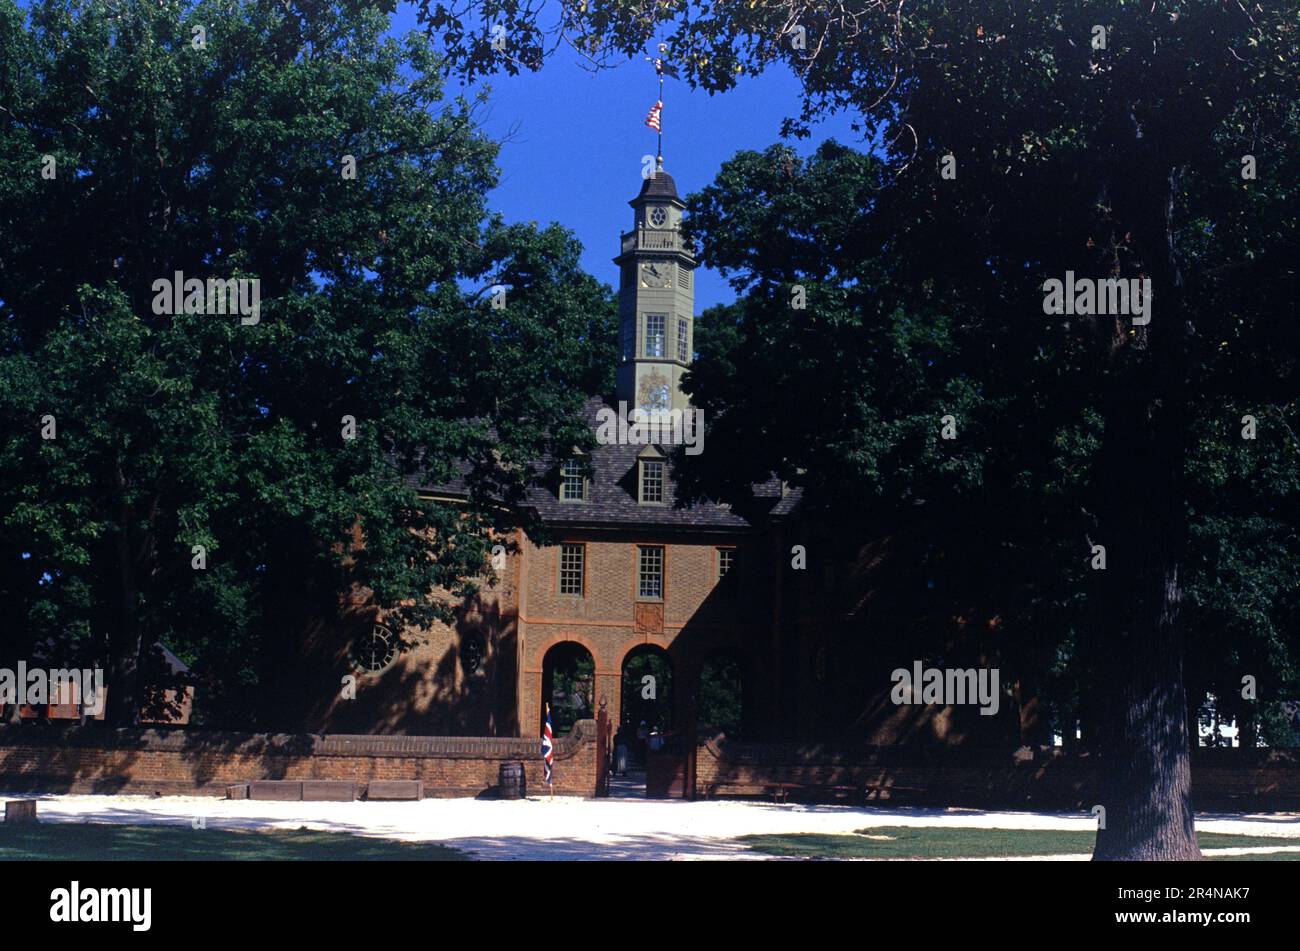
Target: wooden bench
(329,790)
(395,789)
(780,792)
(736,789)
(875,790)
(275,790)
(20,811)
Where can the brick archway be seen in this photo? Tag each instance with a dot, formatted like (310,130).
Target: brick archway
(539,653)
(668,688)
(534,686)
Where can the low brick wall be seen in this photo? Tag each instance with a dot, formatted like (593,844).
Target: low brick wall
(1047,778)
(177,762)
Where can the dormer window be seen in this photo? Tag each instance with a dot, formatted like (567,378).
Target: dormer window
(573,481)
(652,482)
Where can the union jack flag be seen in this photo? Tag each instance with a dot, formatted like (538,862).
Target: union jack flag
(548,746)
(652,120)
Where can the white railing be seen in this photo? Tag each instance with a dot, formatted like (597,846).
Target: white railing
(643,240)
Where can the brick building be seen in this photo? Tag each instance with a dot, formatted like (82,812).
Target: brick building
(702,599)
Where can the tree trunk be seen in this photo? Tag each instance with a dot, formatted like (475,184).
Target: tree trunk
(1145,781)
(1248,726)
(125,642)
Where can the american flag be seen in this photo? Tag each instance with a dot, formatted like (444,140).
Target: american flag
(652,120)
(548,746)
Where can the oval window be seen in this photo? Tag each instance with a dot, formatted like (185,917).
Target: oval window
(472,652)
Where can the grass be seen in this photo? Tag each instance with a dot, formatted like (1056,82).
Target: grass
(88,842)
(904,842)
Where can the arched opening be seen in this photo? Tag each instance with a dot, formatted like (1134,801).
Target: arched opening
(647,703)
(568,685)
(720,701)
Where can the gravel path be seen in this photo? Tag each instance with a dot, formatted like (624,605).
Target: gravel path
(572,828)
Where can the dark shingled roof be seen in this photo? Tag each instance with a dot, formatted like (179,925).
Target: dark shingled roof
(659,184)
(612,494)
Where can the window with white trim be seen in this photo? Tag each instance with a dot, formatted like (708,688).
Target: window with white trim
(650,572)
(652,481)
(655,329)
(572,558)
(573,481)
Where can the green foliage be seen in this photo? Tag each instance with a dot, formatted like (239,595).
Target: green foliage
(1104,138)
(641,703)
(176,431)
(572,687)
(720,698)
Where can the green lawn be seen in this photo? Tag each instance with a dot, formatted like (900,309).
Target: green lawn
(899,842)
(98,841)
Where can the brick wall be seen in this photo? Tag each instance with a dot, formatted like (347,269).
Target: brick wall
(98,760)
(427,690)
(1048,778)
(695,617)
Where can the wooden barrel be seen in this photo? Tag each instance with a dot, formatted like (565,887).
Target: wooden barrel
(513,785)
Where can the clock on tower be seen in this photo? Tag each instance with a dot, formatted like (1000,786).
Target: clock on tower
(656,300)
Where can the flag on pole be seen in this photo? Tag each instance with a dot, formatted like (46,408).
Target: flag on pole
(548,747)
(652,120)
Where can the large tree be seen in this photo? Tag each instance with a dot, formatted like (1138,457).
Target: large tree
(173,476)
(1126,139)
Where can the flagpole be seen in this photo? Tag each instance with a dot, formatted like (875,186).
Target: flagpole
(659,159)
(550,780)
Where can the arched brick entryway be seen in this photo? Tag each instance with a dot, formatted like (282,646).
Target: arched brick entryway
(568,683)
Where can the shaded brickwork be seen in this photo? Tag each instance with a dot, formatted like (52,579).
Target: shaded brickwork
(1046,778)
(89,760)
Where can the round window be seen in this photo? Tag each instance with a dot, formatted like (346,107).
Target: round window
(375,651)
(658,217)
(472,652)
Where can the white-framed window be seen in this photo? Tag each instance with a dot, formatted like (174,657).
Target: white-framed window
(572,559)
(652,481)
(573,481)
(650,572)
(726,562)
(655,329)
(683,331)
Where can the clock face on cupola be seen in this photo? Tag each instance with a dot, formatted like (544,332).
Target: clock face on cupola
(656,274)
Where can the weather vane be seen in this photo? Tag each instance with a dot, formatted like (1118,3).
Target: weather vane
(654,119)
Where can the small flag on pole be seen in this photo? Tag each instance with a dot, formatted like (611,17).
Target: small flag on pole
(548,747)
(652,120)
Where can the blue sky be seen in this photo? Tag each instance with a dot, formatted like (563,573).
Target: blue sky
(578,140)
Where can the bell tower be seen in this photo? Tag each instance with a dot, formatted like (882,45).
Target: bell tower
(656,299)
